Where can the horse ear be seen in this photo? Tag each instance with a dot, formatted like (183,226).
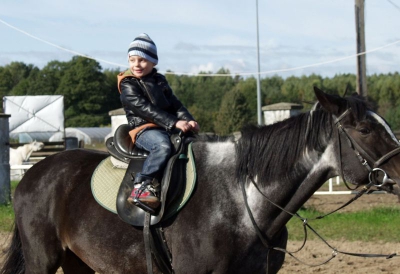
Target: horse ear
(328,102)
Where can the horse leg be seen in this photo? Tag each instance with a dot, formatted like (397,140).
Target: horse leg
(41,246)
(276,258)
(41,256)
(73,265)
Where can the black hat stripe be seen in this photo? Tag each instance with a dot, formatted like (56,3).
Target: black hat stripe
(144,40)
(151,54)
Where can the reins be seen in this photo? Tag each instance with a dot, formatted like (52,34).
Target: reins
(306,225)
(359,151)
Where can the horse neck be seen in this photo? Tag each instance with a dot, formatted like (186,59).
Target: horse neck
(26,151)
(292,187)
(290,195)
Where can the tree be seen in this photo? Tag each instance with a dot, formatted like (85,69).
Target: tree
(112,93)
(271,90)
(90,93)
(248,88)
(393,117)
(26,86)
(5,84)
(49,78)
(233,114)
(19,71)
(84,88)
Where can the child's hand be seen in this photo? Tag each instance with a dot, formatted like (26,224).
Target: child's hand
(183,125)
(195,126)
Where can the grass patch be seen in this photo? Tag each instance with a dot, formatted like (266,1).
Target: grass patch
(6,217)
(377,224)
(7,212)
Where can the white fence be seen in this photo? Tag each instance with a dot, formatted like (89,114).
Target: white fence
(17,171)
(330,190)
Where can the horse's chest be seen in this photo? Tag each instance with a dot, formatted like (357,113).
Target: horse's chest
(16,157)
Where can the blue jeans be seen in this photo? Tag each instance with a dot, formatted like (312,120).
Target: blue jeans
(157,142)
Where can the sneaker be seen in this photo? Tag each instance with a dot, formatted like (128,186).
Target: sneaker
(144,193)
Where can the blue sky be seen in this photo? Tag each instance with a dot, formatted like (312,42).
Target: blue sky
(193,36)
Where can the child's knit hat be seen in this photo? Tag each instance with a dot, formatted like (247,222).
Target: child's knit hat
(144,47)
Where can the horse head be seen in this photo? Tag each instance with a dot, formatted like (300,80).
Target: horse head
(368,149)
(36,146)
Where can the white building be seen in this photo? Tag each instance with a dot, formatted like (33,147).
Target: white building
(280,111)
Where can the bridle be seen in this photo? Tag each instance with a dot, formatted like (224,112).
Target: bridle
(359,151)
(374,171)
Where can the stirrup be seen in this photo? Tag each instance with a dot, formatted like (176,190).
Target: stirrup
(146,185)
(145,207)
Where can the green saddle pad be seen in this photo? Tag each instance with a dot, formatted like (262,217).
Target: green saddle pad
(107,179)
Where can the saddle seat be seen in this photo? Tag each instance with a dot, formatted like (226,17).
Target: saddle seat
(121,147)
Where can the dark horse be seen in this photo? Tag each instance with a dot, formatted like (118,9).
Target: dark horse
(59,223)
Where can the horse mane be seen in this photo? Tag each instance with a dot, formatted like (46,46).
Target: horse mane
(273,152)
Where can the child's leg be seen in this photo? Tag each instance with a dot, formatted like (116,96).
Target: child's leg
(157,142)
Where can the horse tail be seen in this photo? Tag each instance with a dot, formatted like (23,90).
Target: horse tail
(14,262)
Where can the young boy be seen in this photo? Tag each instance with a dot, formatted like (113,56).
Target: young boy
(153,111)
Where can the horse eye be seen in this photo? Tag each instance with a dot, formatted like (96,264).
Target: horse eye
(364,131)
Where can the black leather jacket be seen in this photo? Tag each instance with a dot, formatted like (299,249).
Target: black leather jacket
(150,99)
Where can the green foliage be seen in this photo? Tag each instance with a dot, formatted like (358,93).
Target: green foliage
(84,88)
(233,114)
(392,116)
(111,89)
(90,93)
(248,87)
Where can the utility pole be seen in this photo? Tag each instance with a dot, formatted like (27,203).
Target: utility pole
(361,86)
(259,116)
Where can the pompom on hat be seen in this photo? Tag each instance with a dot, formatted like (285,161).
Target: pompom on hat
(144,47)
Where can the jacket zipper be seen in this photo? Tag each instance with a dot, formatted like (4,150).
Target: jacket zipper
(147,92)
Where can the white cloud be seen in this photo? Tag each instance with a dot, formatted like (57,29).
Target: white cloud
(203,68)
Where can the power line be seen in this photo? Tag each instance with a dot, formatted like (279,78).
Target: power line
(59,47)
(396,6)
(205,74)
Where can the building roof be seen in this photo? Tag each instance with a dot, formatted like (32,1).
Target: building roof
(282,106)
(119,111)
(88,134)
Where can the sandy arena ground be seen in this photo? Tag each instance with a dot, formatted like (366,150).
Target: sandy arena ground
(316,251)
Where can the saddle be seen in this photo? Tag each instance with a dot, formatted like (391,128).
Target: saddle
(122,148)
